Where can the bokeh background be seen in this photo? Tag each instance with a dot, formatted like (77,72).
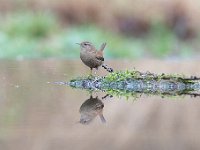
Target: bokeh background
(36,114)
(132,28)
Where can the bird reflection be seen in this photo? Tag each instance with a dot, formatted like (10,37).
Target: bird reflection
(91,108)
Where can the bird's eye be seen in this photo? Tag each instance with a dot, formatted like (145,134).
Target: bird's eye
(85,44)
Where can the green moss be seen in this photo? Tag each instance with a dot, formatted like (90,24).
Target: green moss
(147,76)
(137,75)
(141,83)
(120,75)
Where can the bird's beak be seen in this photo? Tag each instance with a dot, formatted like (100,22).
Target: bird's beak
(78,43)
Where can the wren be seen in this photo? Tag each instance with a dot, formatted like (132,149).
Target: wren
(92,57)
(90,109)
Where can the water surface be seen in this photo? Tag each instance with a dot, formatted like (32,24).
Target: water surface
(37,114)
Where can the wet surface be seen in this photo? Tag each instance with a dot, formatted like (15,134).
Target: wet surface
(36,114)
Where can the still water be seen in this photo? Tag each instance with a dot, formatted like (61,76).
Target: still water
(36,114)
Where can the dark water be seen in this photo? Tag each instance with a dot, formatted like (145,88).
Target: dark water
(36,114)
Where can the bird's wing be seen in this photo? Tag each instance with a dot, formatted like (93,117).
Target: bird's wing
(99,55)
(100,58)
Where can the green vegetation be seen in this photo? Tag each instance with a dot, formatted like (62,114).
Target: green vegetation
(118,76)
(134,84)
(29,25)
(40,35)
(147,76)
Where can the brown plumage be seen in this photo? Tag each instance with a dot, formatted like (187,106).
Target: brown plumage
(90,109)
(90,56)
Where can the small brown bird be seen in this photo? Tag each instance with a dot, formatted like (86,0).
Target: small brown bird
(91,57)
(90,109)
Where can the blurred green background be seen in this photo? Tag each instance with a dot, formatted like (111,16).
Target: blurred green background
(132,29)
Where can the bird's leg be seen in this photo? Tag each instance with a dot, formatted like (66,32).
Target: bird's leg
(91,94)
(90,71)
(95,72)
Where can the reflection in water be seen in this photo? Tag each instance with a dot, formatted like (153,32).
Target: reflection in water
(37,115)
(149,84)
(91,108)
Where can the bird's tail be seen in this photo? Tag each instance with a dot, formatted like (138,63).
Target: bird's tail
(107,68)
(102,46)
(103,120)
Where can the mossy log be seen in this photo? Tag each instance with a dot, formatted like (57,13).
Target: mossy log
(138,82)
